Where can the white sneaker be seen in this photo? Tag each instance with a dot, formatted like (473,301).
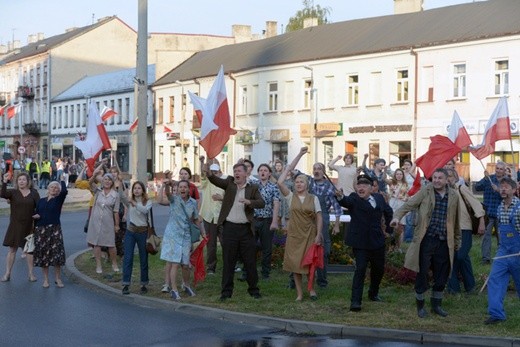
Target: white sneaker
(166,288)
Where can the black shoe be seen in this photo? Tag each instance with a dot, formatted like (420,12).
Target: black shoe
(421,312)
(224,297)
(144,290)
(436,307)
(314,297)
(492,320)
(376,298)
(256,295)
(486,261)
(355,307)
(291,285)
(126,290)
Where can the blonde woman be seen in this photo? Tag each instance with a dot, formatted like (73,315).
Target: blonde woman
(398,189)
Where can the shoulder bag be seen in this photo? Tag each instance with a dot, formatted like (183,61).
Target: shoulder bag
(153,242)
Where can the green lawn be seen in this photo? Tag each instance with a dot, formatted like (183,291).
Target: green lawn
(466,313)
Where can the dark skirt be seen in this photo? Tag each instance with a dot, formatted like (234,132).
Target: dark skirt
(48,246)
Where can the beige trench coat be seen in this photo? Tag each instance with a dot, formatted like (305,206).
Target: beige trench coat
(424,202)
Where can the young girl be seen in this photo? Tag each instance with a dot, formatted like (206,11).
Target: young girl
(176,243)
(398,196)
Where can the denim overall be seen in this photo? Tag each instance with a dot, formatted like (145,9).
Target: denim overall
(502,268)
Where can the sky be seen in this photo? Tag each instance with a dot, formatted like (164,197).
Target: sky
(214,17)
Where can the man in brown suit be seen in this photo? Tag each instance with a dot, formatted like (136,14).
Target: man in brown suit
(236,218)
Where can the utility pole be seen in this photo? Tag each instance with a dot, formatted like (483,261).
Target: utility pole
(140,146)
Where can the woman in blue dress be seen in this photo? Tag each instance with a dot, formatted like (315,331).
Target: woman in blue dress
(48,237)
(176,243)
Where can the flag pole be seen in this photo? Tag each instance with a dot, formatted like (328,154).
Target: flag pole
(481,163)
(514,163)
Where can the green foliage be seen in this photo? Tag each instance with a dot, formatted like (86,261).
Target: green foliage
(308,11)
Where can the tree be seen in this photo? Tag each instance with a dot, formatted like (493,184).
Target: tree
(308,11)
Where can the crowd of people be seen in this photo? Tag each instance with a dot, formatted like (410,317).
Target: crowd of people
(242,211)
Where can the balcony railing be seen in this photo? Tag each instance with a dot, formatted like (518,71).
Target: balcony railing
(32,128)
(26,92)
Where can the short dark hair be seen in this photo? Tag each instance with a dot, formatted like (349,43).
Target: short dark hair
(249,162)
(379,160)
(441,170)
(266,166)
(509,181)
(242,165)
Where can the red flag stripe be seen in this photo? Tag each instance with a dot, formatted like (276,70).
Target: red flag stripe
(133,126)
(107,114)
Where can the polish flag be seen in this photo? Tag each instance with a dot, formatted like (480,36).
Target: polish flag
(12,111)
(96,139)
(416,184)
(497,128)
(107,113)
(213,114)
(457,133)
(441,150)
(167,130)
(133,126)
(2,110)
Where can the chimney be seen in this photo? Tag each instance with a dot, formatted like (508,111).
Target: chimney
(32,38)
(310,22)
(241,33)
(68,30)
(407,6)
(271,29)
(17,44)
(40,36)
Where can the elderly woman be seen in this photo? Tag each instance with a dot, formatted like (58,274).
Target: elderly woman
(48,237)
(304,229)
(104,220)
(120,188)
(23,200)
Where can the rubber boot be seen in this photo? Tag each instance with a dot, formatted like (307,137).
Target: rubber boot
(436,307)
(421,312)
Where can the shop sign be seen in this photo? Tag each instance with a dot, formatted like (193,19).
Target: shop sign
(280,135)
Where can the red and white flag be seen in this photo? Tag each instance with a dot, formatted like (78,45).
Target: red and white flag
(2,110)
(213,114)
(133,126)
(96,139)
(497,128)
(107,113)
(440,151)
(12,110)
(458,133)
(167,130)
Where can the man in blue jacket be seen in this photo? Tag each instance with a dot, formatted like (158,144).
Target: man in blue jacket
(367,236)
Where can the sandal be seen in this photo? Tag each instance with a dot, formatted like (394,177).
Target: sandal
(32,279)
(6,278)
(59,284)
(45,284)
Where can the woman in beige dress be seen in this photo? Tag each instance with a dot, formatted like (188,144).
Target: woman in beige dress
(104,220)
(304,227)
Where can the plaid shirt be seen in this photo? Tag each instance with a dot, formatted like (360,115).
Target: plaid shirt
(437,227)
(491,198)
(327,190)
(270,193)
(504,213)
(379,178)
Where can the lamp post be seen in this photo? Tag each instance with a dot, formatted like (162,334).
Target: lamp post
(312,118)
(183,117)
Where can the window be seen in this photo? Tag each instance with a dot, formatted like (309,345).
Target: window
(161,158)
(243,100)
(351,147)
(427,84)
(399,151)
(289,95)
(307,90)
(501,77)
(254,99)
(172,110)
(280,151)
(375,88)
(273,96)
(78,115)
(328,154)
(352,90)
(126,116)
(327,94)
(160,111)
(402,85)
(119,110)
(459,80)
(84,114)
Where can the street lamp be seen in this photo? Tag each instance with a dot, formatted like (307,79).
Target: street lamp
(183,117)
(312,117)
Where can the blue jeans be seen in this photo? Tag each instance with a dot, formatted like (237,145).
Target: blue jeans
(409,227)
(486,239)
(462,266)
(265,235)
(322,273)
(131,239)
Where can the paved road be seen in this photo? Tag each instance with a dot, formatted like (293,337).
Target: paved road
(79,316)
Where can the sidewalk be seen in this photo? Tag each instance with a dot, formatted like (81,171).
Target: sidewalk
(289,325)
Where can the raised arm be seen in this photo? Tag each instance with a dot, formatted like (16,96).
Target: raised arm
(333,162)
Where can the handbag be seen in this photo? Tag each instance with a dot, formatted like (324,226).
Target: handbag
(475,222)
(153,242)
(29,244)
(194,229)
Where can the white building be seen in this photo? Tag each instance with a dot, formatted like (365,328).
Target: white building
(381,86)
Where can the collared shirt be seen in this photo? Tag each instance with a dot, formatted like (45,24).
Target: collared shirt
(372,201)
(209,208)
(237,214)
(325,189)
(491,198)
(437,227)
(504,213)
(253,180)
(270,193)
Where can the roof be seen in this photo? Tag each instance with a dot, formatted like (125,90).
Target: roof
(440,26)
(47,44)
(108,83)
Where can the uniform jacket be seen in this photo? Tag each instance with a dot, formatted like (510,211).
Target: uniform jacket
(366,230)
(424,202)
(230,190)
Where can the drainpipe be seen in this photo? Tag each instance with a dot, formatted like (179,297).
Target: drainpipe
(415,98)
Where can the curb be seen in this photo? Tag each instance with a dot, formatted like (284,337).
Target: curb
(288,325)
